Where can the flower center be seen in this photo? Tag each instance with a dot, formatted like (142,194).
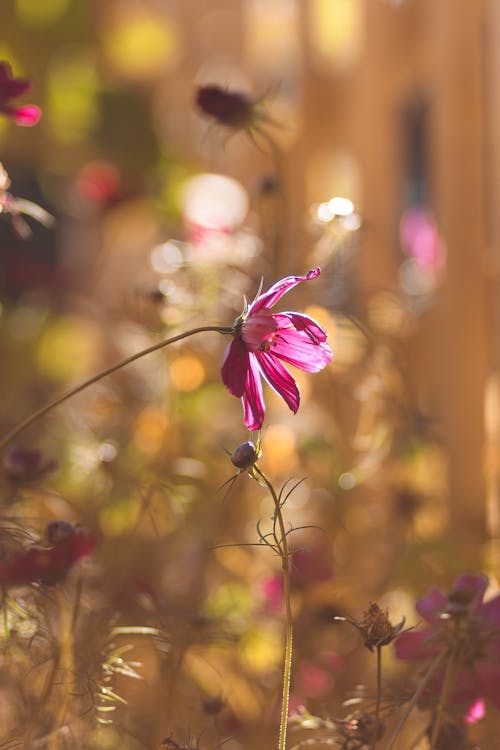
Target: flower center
(258,331)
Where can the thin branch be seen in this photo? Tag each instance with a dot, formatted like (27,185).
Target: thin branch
(102,374)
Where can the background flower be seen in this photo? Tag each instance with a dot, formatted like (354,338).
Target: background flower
(11,88)
(463,625)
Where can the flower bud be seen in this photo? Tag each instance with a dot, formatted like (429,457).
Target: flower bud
(59,531)
(245,455)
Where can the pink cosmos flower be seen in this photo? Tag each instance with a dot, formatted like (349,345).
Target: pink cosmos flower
(11,88)
(262,340)
(463,625)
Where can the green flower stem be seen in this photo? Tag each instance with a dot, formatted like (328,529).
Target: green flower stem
(418,692)
(285,564)
(95,378)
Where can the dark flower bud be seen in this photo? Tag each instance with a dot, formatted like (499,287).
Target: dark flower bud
(213,706)
(245,455)
(227,107)
(59,531)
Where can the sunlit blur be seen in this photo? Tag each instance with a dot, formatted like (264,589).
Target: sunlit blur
(72,109)
(336,31)
(214,202)
(41,14)
(140,42)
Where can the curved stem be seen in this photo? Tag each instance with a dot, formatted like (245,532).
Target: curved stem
(285,564)
(102,374)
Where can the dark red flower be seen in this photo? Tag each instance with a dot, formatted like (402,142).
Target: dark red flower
(11,88)
(465,628)
(47,565)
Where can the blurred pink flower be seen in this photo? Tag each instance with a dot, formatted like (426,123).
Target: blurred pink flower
(420,239)
(262,339)
(11,88)
(48,565)
(463,625)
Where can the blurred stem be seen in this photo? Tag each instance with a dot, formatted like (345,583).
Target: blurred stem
(66,664)
(285,565)
(376,728)
(443,698)
(278,231)
(418,692)
(102,374)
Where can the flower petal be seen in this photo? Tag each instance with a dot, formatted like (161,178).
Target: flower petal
(491,611)
(488,675)
(477,584)
(28,115)
(277,290)
(299,349)
(253,399)
(235,367)
(417,644)
(302,323)
(432,605)
(279,379)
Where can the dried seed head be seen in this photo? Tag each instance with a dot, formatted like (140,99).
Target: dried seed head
(375,626)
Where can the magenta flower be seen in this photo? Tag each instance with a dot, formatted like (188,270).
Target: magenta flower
(468,631)
(262,340)
(11,88)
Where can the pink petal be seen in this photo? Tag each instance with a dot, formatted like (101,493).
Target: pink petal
(277,290)
(417,644)
(491,611)
(476,712)
(253,399)
(279,379)
(28,115)
(235,367)
(297,348)
(302,323)
(432,605)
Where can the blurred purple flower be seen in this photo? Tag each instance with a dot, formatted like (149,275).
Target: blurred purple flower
(11,88)
(47,565)
(262,339)
(465,626)
(22,465)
